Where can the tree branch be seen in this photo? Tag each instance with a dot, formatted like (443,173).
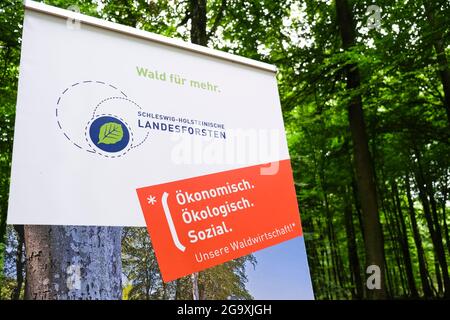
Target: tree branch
(185,19)
(218,18)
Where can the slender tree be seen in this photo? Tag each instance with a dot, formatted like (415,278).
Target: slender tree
(404,242)
(197,9)
(418,241)
(354,264)
(362,158)
(432,222)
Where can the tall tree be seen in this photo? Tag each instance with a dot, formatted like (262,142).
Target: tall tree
(418,241)
(198,22)
(362,158)
(404,242)
(429,208)
(354,264)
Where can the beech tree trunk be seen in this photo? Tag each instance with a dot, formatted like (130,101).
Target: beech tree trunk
(198,22)
(418,242)
(432,221)
(404,243)
(352,247)
(363,162)
(73,262)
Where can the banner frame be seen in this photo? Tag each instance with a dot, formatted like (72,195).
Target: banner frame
(96,22)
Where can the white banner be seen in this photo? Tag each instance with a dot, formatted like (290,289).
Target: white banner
(101,113)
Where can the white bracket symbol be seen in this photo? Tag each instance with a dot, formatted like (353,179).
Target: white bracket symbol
(173,232)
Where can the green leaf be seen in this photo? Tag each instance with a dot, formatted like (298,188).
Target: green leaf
(110,133)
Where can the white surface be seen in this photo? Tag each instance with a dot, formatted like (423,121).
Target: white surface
(55,182)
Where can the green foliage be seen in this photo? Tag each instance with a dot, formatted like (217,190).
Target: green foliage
(403,107)
(11,14)
(159,16)
(7,287)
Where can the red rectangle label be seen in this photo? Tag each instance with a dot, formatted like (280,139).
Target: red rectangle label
(204,221)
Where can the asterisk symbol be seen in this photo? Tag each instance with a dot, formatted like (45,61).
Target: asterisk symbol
(151,200)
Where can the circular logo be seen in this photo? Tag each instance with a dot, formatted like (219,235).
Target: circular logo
(109,134)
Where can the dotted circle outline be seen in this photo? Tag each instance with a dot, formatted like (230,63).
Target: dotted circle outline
(125,97)
(67,90)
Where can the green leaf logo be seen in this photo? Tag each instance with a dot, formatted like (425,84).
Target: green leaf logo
(110,133)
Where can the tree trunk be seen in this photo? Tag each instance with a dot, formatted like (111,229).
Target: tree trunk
(433,225)
(418,242)
(437,272)
(330,229)
(392,239)
(404,243)
(357,205)
(198,22)
(398,251)
(354,264)
(313,252)
(444,212)
(438,232)
(67,262)
(363,161)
